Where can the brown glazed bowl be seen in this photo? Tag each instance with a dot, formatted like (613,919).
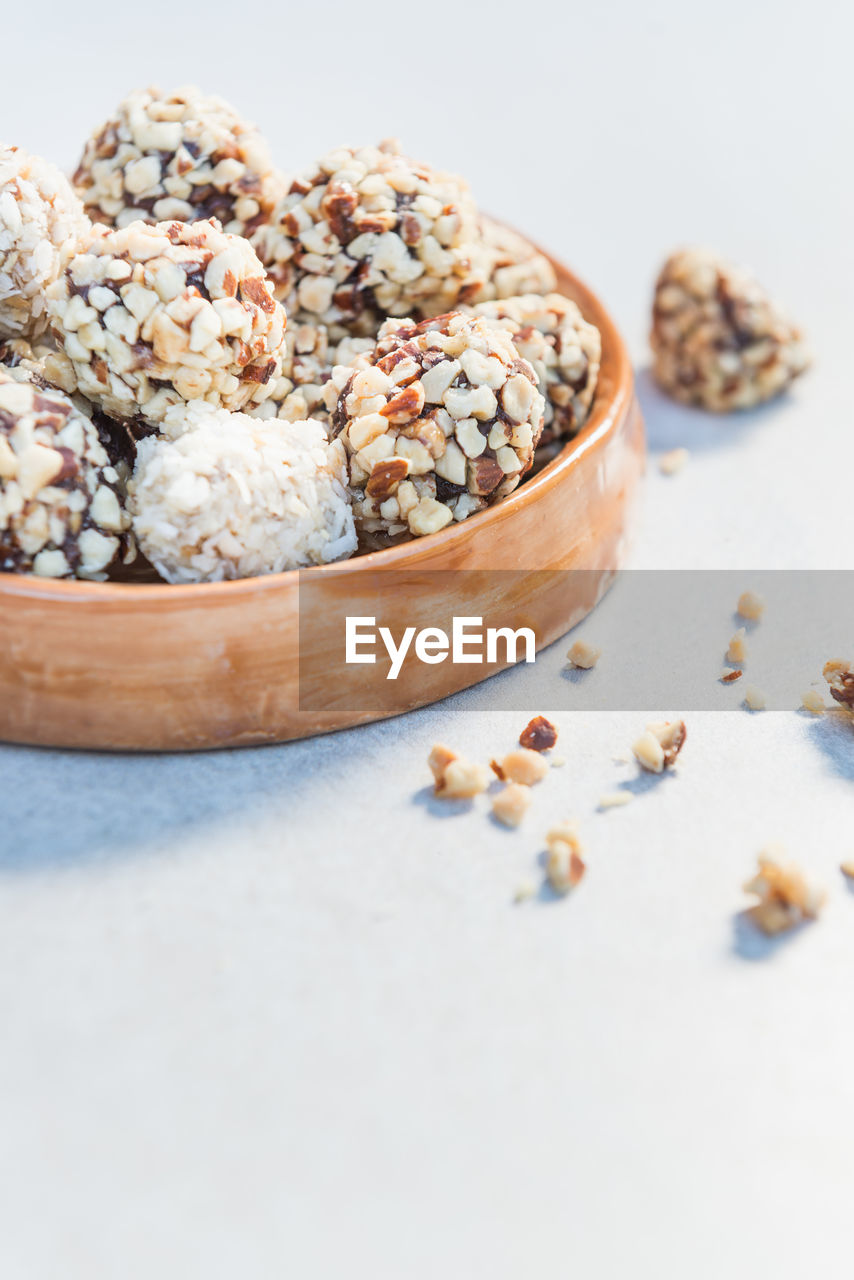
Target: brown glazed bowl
(155,667)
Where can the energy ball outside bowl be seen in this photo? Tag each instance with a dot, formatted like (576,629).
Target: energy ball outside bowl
(62,512)
(717,338)
(152,316)
(184,156)
(41,223)
(229,496)
(564,350)
(442,422)
(369,233)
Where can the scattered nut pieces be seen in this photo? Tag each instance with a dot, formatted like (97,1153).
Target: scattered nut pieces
(659,745)
(813,702)
(729,677)
(755,699)
(614,800)
(737,651)
(539,734)
(847,868)
(750,606)
(522,765)
(525,891)
(584,655)
(669,464)
(785,897)
(564,865)
(557,762)
(455,777)
(511,804)
(839,674)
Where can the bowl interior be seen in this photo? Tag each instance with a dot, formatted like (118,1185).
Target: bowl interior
(613,388)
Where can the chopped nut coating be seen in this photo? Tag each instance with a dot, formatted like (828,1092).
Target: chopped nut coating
(62,504)
(717,339)
(181,156)
(41,223)
(563,350)
(368,233)
(150,317)
(441,419)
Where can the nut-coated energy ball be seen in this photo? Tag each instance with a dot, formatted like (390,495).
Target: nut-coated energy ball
(41,223)
(443,421)
(368,233)
(62,513)
(228,496)
(507,265)
(152,316)
(181,156)
(309,358)
(718,339)
(563,348)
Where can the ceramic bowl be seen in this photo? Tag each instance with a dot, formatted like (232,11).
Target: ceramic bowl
(157,667)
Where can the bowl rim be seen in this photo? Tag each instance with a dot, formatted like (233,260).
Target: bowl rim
(607,405)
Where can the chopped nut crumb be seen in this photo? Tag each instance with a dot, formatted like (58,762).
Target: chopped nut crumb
(729,677)
(511,803)
(557,762)
(750,606)
(463,779)
(584,655)
(439,759)
(847,868)
(785,897)
(672,462)
(525,891)
(614,799)
(737,651)
(564,866)
(522,765)
(755,698)
(839,674)
(455,777)
(659,745)
(813,702)
(539,734)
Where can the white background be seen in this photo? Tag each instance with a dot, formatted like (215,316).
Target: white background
(273,1013)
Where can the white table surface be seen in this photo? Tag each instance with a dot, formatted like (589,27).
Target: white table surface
(272,1013)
